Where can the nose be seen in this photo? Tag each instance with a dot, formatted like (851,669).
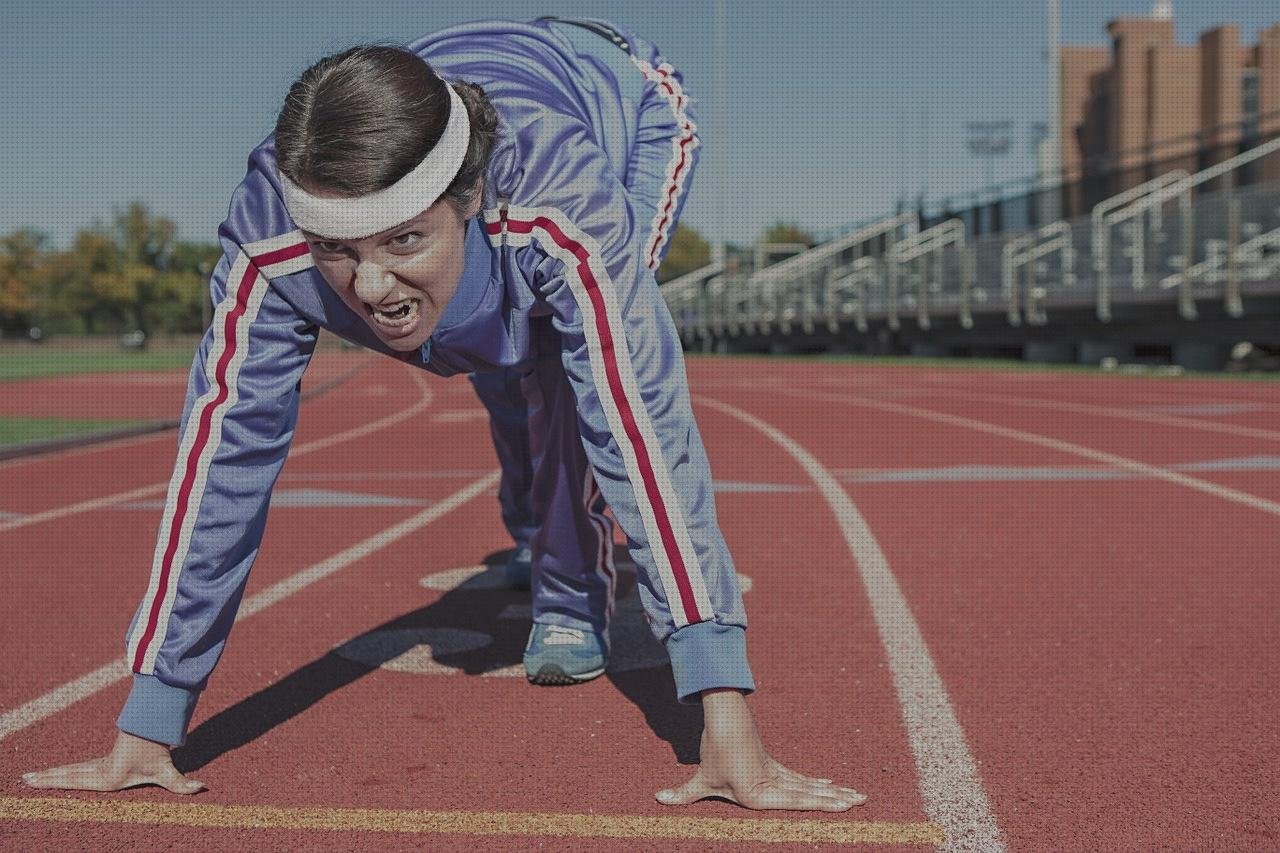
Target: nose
(373,282)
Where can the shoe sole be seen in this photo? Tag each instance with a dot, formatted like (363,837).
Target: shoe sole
(551,675)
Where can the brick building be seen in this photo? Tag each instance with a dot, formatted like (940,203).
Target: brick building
(1147,101)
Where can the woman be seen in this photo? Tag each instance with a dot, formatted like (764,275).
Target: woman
(509,221)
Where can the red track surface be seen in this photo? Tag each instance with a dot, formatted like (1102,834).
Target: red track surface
(1109,646)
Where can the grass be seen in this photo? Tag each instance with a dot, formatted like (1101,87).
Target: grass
(14,430)
(29,362)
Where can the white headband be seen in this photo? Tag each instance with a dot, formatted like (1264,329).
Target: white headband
(361,216)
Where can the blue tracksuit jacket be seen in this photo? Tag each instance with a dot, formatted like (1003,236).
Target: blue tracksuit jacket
(561,241)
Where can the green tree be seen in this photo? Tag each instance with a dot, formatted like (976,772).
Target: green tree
(687,252)
(787,232)
(90,280)
(182,287)
(145,243)
(23,268)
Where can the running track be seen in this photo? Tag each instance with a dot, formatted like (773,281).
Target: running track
(1016,609)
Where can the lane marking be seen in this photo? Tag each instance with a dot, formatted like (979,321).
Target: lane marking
(307,499)
(87,685)
(158,488)
(131,440)
(949,781)
(1224,492)
(360,550)
(453,416)
(1004,473)
(535,824)
(64,696)
(1111,412)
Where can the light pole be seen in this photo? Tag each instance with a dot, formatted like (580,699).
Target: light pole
(720,126)
(1038,141)
(1051,151)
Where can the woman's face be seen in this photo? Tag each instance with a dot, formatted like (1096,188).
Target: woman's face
(399,280)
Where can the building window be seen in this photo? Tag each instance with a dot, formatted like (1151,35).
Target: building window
(1249,109)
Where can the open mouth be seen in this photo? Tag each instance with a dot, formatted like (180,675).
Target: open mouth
(396,315)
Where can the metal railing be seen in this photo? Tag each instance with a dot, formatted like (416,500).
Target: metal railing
(919,260)
(1025,298)
(1179,238)
(1145,217)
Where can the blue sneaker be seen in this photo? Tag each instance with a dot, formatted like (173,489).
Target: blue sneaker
(519,569)
(559,655)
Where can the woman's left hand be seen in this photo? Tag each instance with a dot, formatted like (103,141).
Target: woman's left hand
(736,767)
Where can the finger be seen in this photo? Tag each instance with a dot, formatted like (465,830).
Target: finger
(788,773)
(776,797)
(840,792)
(853,797)
(834,792)
(86,776)
(800,785)
(806,784)
(690,792)
(821,786)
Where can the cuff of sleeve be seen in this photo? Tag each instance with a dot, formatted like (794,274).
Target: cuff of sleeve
(158,711)
(706,655)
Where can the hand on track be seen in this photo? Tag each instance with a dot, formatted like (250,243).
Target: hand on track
(736,767)
(132,761)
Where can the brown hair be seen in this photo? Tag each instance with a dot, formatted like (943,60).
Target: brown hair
(358,121)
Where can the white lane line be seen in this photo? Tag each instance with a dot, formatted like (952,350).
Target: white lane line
(949,781)
(117,670)
(96,447)
(116,443)
(157,488)
(1121,462)
(1111,412)
(359,551)
(63,697)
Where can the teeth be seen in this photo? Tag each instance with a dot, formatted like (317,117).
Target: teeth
(393,307)
(383,314)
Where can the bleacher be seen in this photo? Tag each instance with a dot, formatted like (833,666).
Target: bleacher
(1181,266)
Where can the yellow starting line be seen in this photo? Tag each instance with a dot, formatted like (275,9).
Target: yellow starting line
(471,823)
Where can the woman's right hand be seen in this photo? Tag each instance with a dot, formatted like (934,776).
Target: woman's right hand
(132,761)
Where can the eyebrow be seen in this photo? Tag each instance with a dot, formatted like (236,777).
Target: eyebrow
(391,235)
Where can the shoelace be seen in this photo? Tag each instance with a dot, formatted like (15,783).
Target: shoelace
(558,635)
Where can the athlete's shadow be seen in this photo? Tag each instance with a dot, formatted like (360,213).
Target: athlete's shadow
(477,627)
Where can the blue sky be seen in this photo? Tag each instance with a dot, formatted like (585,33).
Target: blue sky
(830,110)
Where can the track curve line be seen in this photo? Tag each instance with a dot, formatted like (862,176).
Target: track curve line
(950,784)
(423,402)
(1111,412)
(1119,462)
(104,676)
(78,445)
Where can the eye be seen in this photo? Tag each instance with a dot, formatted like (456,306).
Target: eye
(325,247)
(410,238)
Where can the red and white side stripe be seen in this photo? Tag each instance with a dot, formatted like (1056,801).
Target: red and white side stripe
(604,551)
(619,393)
(681,161)
(247,284)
